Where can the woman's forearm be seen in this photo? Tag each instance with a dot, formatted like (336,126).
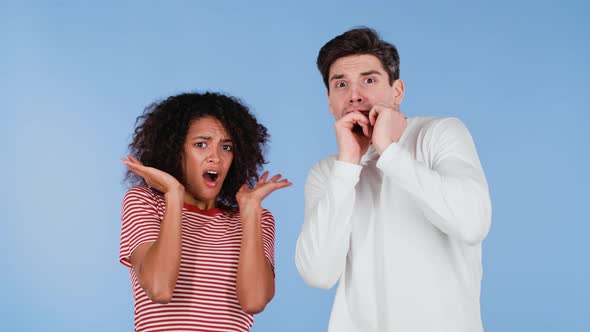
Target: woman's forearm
(255,279)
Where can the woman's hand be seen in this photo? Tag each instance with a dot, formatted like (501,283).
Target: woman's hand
(252,198)
(154,177)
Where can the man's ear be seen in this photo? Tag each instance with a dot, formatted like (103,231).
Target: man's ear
(398,91)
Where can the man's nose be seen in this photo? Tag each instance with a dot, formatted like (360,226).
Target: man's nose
(356,96)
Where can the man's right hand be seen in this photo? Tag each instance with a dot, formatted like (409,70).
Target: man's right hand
(352,145)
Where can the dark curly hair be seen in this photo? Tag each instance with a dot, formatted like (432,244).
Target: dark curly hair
(361,40)
(161,131)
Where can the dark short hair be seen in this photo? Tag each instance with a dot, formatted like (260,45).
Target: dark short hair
(358,41)
(160,134)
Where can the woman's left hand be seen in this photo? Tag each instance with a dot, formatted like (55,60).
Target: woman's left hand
(247,197)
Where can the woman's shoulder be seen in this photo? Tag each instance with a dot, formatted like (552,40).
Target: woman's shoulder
(143,193)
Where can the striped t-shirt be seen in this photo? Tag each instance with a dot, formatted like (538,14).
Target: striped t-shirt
(205,297)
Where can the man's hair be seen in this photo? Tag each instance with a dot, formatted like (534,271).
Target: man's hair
(358,41)
(160,134)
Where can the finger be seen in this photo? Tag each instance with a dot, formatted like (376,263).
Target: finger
(275,178)
(134,168)
(134,160)
(373,114)
(271,187)
(354,117)
(361,119)
(128,163)
(369,132)
(286,182)
(360,125)
(244,188)
(281,184)
(366,129)
(133,165)
(363,122)
(263,178)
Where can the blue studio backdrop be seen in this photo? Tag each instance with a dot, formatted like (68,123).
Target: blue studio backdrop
(74,75)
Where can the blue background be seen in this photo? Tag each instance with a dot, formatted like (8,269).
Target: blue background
(75,75)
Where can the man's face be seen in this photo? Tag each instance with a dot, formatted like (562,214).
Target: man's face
(357,82)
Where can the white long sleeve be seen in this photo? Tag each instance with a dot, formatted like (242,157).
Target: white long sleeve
(325,237)
(401,233)
(450,184)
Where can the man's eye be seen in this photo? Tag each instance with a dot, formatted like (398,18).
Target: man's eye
(340,84)
(370,80)
(227,147)
(201,144)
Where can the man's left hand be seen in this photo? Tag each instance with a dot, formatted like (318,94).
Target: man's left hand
(388,124)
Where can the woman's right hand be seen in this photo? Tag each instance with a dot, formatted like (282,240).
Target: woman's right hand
(154,177)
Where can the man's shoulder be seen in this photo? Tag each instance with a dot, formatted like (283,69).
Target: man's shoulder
(428,122)
(325,163)
(439,130)
(436,126)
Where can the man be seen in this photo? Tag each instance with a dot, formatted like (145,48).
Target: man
(399,214)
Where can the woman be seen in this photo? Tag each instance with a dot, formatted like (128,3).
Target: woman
(199,246)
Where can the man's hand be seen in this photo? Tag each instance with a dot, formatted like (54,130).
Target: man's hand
(388,124)
(352,144)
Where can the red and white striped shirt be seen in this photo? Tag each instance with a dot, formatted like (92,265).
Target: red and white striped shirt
(205,297)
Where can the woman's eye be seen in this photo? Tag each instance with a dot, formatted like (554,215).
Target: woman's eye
(227,147)
(201,144)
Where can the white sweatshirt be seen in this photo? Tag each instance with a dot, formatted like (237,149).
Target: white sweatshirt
(402,233)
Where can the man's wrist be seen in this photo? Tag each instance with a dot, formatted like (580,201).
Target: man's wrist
(382,146)
(348,159)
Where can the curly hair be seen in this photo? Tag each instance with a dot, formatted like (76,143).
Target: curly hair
(358,41)
(161,131)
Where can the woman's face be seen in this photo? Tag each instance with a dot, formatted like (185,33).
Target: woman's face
(207,156)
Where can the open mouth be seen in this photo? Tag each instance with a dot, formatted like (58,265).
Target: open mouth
(211,176)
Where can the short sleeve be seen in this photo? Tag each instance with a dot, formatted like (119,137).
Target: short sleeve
(140,221)
(268,237)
